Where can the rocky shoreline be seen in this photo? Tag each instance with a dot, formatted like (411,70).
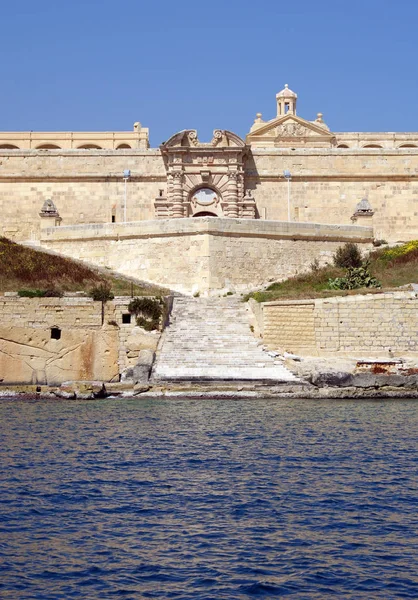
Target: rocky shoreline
(313,384)
(316,378)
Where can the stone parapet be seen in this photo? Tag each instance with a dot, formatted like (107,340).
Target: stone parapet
(212,226)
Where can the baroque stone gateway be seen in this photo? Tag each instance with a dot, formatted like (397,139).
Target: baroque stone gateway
(227,214)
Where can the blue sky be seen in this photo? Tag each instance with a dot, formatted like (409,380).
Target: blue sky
(103,64)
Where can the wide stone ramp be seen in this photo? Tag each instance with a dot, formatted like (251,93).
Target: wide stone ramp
(210,339)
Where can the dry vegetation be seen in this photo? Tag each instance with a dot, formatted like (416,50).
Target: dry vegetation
(392,267)
(23,268)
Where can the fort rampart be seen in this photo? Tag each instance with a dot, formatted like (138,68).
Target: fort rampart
(207,254)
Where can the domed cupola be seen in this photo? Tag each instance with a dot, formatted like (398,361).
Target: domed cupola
(286,102)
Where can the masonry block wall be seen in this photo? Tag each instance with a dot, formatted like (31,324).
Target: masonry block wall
(52,340)
(87,186)
(373,324)
(290,325)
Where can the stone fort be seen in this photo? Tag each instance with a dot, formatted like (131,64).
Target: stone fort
(225,214)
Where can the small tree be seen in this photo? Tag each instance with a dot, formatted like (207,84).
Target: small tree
(348,256)
(102,293)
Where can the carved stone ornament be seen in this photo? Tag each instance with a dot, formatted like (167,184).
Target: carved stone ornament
(364,208)
(193,139)
(218,134)
(293,130)
(49,209)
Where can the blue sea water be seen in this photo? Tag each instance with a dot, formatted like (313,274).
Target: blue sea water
(208,499)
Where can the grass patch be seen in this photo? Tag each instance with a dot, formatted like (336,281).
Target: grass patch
(392,267)
(34,272)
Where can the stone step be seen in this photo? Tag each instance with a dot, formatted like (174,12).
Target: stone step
(211,339)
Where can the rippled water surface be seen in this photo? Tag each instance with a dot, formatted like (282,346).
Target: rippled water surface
(209,499)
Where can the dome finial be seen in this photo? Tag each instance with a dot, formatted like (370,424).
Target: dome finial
(286,101)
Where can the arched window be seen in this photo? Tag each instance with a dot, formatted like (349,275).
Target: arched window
(123,147)
(48,147)
(372,146)
(408,146)
(90,147)
(8,147)
(342,146)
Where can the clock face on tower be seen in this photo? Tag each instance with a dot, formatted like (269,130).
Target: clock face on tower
(205,196)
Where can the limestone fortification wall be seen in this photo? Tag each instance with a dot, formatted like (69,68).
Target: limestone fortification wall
(206,254)
(326,184)
(85,350)
(87,186)
(371,325)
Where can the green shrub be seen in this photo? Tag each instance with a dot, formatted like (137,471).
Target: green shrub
(357,277)
(147,311)
(31,293)
(147,325)
(51,293)
(348,256)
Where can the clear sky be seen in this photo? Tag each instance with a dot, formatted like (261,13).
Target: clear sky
(103,64)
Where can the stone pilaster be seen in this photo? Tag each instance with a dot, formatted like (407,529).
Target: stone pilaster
(231,208)
(177,198)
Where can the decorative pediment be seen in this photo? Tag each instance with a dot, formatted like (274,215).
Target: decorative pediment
(187,138)
(290,128)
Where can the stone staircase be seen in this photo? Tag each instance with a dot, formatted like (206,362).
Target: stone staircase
(210,339)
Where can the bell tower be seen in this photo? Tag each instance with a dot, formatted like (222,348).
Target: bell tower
(286,102)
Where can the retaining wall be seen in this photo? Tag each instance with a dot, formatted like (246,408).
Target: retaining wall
(371,324)
(30,352)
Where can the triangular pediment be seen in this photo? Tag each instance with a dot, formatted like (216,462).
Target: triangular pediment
(292,127)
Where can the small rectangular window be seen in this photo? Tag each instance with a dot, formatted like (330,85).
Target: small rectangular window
(55,333)
(126,318)
(113,218)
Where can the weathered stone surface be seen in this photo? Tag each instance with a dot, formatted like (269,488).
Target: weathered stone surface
(332,378)
(140,388)
(31,356)
(140,372)
(139,339)
(142,369)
